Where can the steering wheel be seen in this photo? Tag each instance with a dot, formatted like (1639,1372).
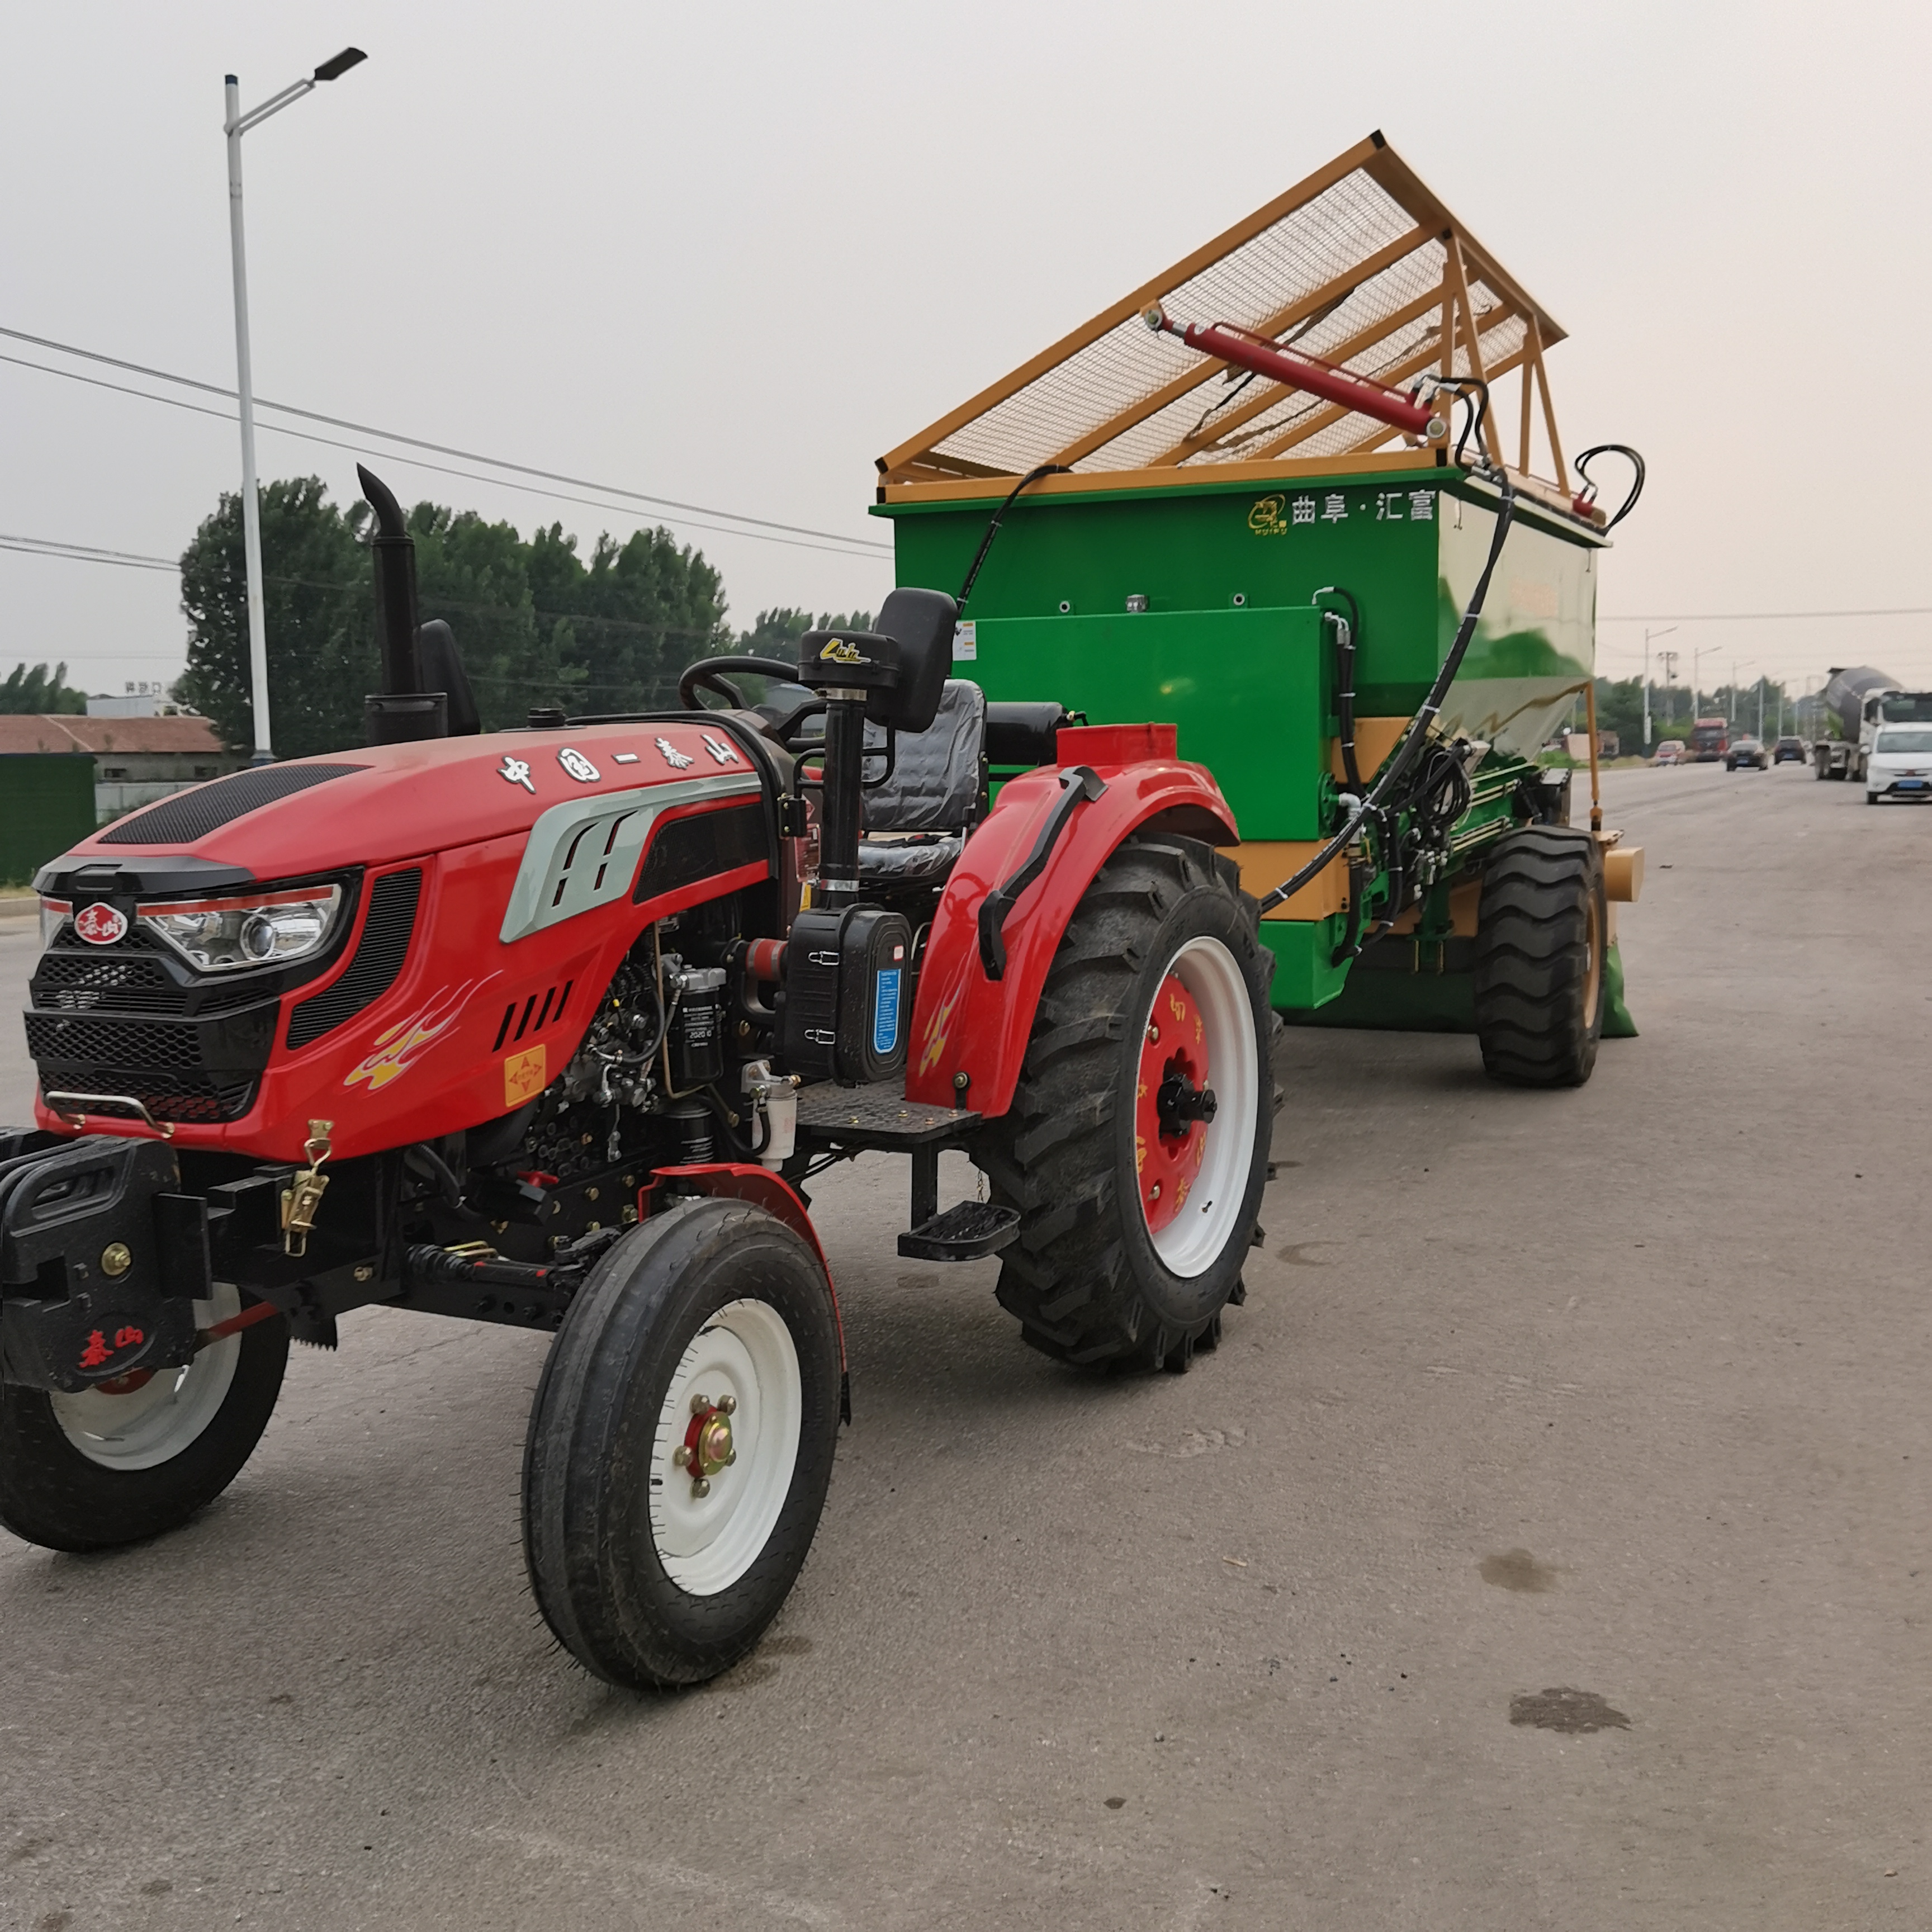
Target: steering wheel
(707,674)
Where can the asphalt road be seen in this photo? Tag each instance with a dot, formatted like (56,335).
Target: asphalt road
(1619,1392)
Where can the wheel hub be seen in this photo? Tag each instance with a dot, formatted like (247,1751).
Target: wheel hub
(1173,1104)
(707,1446)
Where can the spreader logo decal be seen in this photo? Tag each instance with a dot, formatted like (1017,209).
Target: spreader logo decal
(101,924)
(398,1048)
(839,652)
(1265,519)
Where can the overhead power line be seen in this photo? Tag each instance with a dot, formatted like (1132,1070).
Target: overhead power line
(1752,616)
(736,524)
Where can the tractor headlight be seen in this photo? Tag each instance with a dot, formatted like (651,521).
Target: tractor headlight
(55,913)
(258,929)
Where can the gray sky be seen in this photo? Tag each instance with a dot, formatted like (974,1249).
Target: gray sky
(731,255)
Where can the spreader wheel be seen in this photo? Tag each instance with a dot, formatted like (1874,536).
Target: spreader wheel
(680,1444)
(1542,925)
(1136,1147)
(132,1458)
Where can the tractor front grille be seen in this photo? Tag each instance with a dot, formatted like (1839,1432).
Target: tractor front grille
(128,979)
(203,1068)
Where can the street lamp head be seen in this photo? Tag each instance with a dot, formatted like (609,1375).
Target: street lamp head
(334,69)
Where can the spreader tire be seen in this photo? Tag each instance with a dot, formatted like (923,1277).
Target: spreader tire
(1541,927)
(91,1471)
(648,1581)
(1098,1277)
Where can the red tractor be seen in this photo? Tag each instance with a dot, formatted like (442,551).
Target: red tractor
(549,1027)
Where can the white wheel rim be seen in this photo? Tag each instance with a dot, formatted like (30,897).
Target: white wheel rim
(706,1542)
(1194,1239)
(154,1423)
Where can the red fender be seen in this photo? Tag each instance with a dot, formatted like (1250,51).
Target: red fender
(965,1024)
(739,1180)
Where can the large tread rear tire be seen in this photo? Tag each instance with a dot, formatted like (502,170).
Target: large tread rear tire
(1539,986)
(1085,1277)
(648,1582)
(68,1482)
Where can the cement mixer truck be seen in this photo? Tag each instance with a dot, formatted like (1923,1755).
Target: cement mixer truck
(1858,701)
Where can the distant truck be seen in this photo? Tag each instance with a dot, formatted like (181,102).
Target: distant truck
(1710,739)
(1859,700)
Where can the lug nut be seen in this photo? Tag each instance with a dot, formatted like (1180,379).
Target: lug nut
(1153,1034)
(681,1455)
(1153,1192)
(731,1459)
(727,1405)
(701,1489)
(699,1404)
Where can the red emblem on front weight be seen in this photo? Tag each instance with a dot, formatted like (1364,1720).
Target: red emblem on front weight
(100,924)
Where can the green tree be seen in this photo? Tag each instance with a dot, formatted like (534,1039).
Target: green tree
(776,633)
(535,624)
(38,690)
(318,606)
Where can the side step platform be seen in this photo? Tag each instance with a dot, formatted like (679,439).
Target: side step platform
(880,1118)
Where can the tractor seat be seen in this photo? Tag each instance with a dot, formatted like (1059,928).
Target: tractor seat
(936,793)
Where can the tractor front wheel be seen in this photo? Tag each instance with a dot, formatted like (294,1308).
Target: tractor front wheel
(680,1444)
(130,1459)
(1136,1147)
(1542,927)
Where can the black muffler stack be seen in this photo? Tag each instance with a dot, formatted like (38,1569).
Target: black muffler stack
(403,710)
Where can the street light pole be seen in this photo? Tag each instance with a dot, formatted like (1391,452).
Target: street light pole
(1647,636)
(234,125)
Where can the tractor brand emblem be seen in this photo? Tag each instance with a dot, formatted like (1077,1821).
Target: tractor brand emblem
(517,771)
(839,652)
(725,754)
(1266,518)
(101,924)
(673,757)
(523,1078)
(399,1047)
(578,765)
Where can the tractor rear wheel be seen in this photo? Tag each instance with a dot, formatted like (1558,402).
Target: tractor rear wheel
(680,1444)
(123,1461)
(1136,1147)
(1542,924)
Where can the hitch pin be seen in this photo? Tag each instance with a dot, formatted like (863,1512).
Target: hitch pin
(303,1197)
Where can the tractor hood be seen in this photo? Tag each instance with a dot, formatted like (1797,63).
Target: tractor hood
(380,804)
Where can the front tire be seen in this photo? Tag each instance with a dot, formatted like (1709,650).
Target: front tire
(680,1444)
(95,1470)
(1541,924)
(1137,1204)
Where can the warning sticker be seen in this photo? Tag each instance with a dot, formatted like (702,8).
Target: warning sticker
(523,1077)
(965,642)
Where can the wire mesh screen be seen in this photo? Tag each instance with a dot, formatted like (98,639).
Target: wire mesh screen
(1130,399)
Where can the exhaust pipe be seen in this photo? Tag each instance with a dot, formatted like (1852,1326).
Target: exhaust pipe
(402,711)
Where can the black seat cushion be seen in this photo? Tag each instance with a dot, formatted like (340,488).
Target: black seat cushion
(884,863)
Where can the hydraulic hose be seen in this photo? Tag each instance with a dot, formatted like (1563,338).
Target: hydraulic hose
(993,527)
(1419,725)
(1347,635)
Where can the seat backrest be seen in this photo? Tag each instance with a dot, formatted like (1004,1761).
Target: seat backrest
(921,623)
(936,783)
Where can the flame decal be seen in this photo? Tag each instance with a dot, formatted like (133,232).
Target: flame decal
(399,1047)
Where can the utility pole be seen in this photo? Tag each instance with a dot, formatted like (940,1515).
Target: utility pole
(1669,659)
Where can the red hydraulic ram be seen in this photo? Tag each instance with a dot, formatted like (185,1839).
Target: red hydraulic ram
(1335,385)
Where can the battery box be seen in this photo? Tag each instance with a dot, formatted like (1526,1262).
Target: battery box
(847,991)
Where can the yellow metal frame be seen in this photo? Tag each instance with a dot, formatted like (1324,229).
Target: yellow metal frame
(1474,296)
